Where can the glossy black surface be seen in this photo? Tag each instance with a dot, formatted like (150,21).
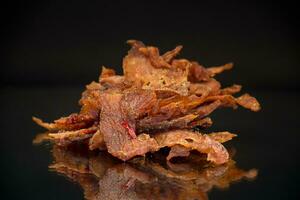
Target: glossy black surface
(267,140)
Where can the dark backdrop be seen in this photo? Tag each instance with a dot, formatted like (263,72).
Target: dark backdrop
(50,50)
(61,42)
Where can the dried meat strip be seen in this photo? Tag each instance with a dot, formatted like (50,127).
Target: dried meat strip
(118,125)
(204,123)
(231,90)
(181,122)
(67,137)
(183,151)
(219,69)
(168,56)
(198,73)
(249,102)
(222,136)
(72,122)
(245,101)
(215,151)
(106,72)
(178,151)
(205,110)
(139,69)
(97,141)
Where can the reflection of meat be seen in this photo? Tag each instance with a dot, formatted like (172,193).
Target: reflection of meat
(119,183)
(104,178)
(159,96)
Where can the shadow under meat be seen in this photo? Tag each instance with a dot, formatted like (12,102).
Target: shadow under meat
(101,176)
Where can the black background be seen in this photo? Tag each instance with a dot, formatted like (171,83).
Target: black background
(52,42)
(52,49)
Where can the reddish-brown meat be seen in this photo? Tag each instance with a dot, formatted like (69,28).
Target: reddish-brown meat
(178,151)
(153,105)
(97,141)
(72,122)
(68,137)
(249,102)
(215,151)
(231,90)
(119,139)
(143,66)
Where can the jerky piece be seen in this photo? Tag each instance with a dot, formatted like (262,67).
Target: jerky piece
(97,141)
(181,64)
(210,87)
(182,151)
(153,54)
(40,138)
(113,82)
(135,43)
(214,86)
(178,151)
(139,69)
(72,122)
(168,56)
(118,126)
(245,101)
(226,100)
(75,121)
(174,107)
(149,124)
(205,110)
(169,120)
(231,90)
(249,102)
(219,69)
(205,123)
(90,100)
(67,137)
(198,73)
(170,116)
(138,102)
(222,136)
(199,89)
(215,151)
(106,72)
(94,86)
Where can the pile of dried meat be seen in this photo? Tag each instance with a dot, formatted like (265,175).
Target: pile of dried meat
(155,104)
